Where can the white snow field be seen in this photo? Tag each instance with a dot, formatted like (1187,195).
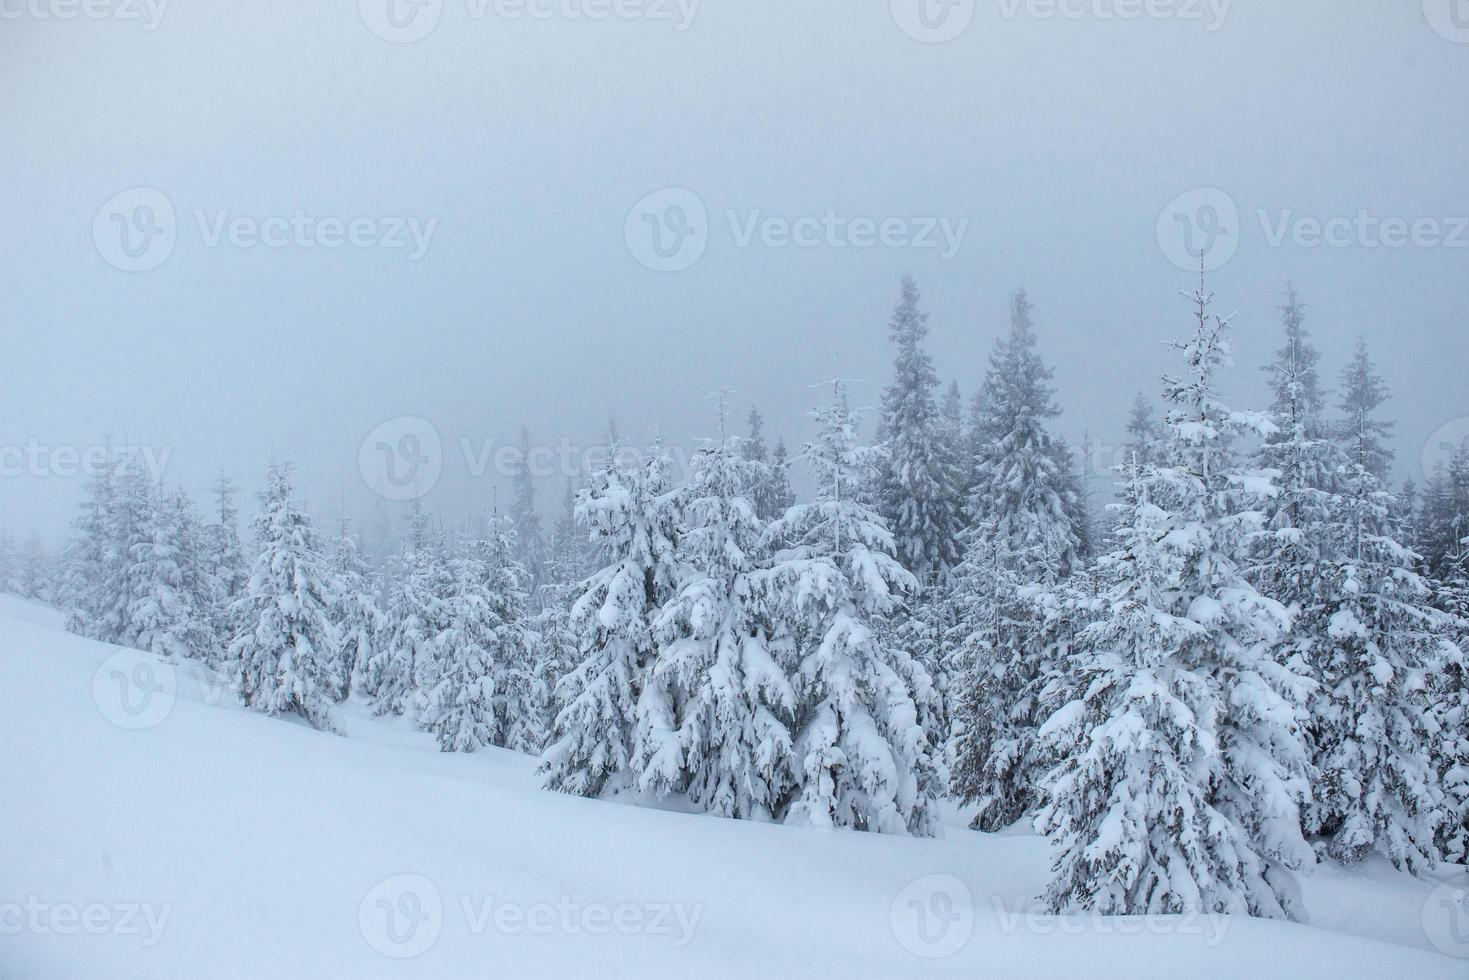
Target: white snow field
(150,827)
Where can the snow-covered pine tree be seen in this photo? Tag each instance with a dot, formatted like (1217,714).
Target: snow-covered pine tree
(1363,435)
(459,709)
(520,692)
(354,608)
(921,485)
(87,551)
(714,717)
(285,647)
(224,559)
(1021,542)
(781,494)
(861,754)
(631,515)
(169,615)
(36,579)
(530,549)
(1376,789)
(1181,766)
(403,661)
(1142,432)
(134,506)
(9,565)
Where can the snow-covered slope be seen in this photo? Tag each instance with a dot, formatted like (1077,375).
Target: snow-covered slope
(150,827)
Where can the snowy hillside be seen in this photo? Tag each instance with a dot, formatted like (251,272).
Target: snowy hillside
(149,827)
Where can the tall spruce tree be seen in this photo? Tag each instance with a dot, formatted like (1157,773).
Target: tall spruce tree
(862,755)
(285,647)
(631,513)
(714,717)
(921,485)
(1181,762)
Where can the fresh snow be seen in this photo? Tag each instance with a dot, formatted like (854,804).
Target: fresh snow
(218,841)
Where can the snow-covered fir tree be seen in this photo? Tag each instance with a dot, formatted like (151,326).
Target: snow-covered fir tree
(1021,540)
(781,494)
(403,664)
(1376,789)
(169,610)
(1364,435)
(861,754)
(285,649)
(224,557)
(1181,763)
(531,548)
(630,511)
(36,574)
(714,716)
(1142,432)
(921,485)
(354,608)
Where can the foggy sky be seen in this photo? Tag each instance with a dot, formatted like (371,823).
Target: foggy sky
(527,141)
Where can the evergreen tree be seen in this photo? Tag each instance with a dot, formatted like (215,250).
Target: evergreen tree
(413,618)
(530,539)
(1142,432)
(713,718)
(860,750)
(630,513)
(36,574)
(88,551)
(921,485)
(1181,765)
(224,558)
(168,614)
(1022,540)
(285,647)
(781,495)
(1364,436)
(354,609)
(1372,725)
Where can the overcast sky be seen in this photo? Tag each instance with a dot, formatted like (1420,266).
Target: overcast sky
(487,258)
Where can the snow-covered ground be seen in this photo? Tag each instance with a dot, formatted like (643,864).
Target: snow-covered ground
(149,827)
